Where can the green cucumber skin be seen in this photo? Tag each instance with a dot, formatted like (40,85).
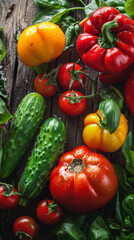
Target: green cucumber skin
(27,119)
(50,143)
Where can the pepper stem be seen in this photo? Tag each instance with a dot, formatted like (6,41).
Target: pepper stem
(107,36)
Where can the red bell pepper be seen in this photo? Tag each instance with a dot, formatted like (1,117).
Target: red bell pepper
(120,77)
(107,44)
(129,92)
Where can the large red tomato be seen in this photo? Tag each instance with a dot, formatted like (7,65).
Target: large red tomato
(83,181)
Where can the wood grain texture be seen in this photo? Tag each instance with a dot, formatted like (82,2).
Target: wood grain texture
(19,83)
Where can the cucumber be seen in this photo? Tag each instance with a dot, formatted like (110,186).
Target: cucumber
(49,144)
(26,121)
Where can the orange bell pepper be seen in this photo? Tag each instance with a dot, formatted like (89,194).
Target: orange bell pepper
(101,139)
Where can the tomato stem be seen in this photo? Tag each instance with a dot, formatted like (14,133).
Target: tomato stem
(8,189)
(74,98)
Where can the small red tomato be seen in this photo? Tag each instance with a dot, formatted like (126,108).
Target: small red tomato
(49,212)
(43,87)
(71,103)
(71,80)
(25,228)
(129,93)
(8,197)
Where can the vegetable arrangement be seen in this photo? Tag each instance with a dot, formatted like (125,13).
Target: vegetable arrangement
(91,198)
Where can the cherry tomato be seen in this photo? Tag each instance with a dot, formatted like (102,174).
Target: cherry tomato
(25,227)
(64,77)
(49,212)
(72,109)
(8,197)
(46,90)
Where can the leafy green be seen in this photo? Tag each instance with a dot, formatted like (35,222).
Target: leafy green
(128,210)
(90,8)
(98,230)
(50,15)
(128,151)
(111,113)
(41,4)
(2,50)
(113,93)
(125,184)
(4,113)
(129,7)
(71,35)
(70,231)
(3,92)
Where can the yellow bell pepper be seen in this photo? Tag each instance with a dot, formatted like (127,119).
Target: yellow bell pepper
(40,43)
(100,139)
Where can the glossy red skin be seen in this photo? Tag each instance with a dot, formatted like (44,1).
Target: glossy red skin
(64,76)
(70,109)
(129,93)
(117,77)
(26,224)
(51,218)
(85,191)
(110,60)
(41,87)
(8,202)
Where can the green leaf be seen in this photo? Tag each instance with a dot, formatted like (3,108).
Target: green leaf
(111,113)
(129,7)
(2,50)
(50,15)
(41,4)
(98,230)
(71,35)
(125,185)
(3,92)
(90,8)
(4,113)
(69,231)
(128,210)
(128,151)
(113,93)
(118,214)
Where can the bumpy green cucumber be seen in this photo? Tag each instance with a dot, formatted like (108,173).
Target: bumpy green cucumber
(50,143)
(26,121)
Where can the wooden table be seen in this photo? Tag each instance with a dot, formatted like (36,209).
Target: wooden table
(15,16)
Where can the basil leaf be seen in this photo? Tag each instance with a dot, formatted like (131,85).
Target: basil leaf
(50,15)
(4,113)
(71,35)
(128,151)
(41,4)
(113,93)
(99,230)
(118,214)
(111,113)
(2,50)
(129,7)
(69,231)
(125,185)
(128,210)
(90,8)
